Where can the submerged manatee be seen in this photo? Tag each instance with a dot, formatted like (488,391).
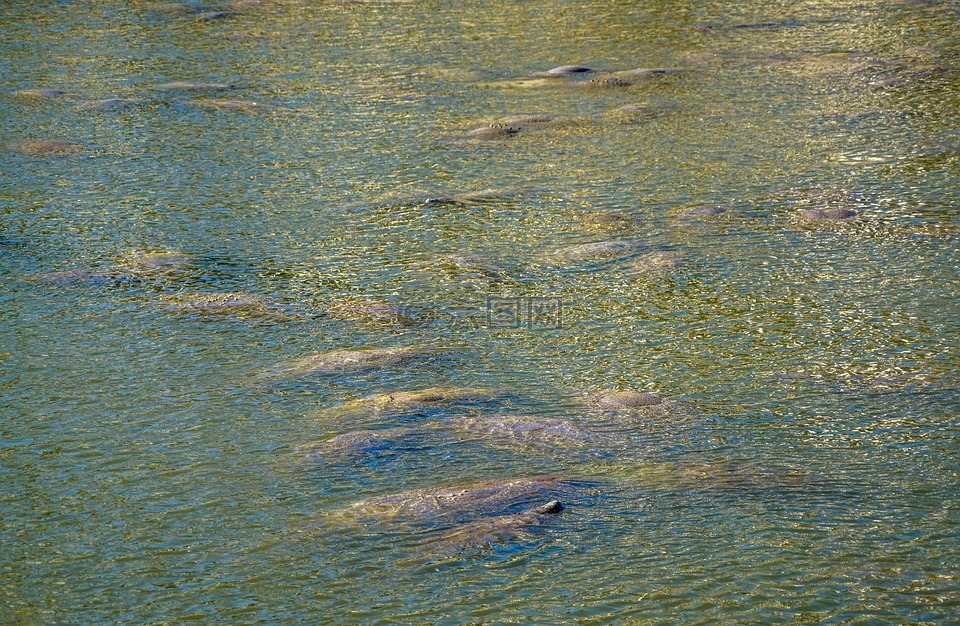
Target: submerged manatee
(489,531)
(55,147)
(639,403)
(598,252)
(159,264)
(658,263)
(493,132)
(210,16)
(339,362)
(423,399)
(624,400)
(522,121)
(469,262)
(115,104)
(703,210)
(230,303)
(471,197)
(643,110)
(183,85)
(881,378)
(823,206)
(819,196)
(739,480)
(74,276)
(834,214)
(606,82)
(524,430)
(44,94)
(527,123)
(358,443)
(609,220)
(230,106)
(457,502)
(375,312)
(652,72)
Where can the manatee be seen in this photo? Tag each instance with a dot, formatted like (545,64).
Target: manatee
(643,110)
(357,443)
(457,502)
(159,264)
(822,205)
(837,65)
(609,219)
(739,480)
(470,262)
(762,25)
(423,399)
(818,196)
(493,132)
(833,214)
(652,72)
(230,106)
(115,104)
(194,86)
(607,82)
(375,311)
(537,81)
(524,430)
(660,262)
(339,362)
(196,9)
(525,120)
(624,400)
(44,94)
(74,276)
(472,197)
(511,125)
(493,530)
(174,8)
(55,147)
(702,210)
(877,379)
(229,303)
(639,403)
(210,16)
(598,251)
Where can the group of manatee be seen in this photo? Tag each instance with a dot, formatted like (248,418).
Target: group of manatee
(461,518)
(203,96)
(465,517)
(461,515)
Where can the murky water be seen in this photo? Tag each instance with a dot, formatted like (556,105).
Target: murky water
(195,196)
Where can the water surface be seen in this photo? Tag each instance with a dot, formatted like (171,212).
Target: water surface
(150,476)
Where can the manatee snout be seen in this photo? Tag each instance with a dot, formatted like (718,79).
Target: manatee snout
(550,508)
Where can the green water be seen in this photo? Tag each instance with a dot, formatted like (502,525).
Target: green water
(149,476)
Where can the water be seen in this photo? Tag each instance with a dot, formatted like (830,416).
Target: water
(147,478)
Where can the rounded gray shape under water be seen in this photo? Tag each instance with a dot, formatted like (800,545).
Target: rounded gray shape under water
(598,251)
(494,131)
(493,530)
(341,362)
(627,399)
(434,503)
(827,215)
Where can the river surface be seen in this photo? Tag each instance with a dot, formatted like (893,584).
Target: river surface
(316,157)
